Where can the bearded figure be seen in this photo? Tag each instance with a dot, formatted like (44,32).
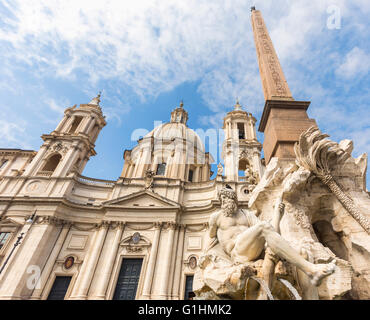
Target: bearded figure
(238,238)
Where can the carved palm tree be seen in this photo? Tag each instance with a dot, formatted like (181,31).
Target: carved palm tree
(316,153)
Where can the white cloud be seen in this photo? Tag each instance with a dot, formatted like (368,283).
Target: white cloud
(54,106)
(14,133)
(153,46)
(149,47)
(356,64)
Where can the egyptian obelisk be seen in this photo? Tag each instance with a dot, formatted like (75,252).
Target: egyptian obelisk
(283,118)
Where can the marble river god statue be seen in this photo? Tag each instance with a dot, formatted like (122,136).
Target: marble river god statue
(238,238)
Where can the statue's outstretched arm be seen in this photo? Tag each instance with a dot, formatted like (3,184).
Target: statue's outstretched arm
(278,212)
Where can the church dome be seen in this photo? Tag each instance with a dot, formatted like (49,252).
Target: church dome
(176,130)
(171,150)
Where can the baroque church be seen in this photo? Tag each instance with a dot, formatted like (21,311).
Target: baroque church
(67,236)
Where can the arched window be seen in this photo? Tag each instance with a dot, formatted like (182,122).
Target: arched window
(52,163)
(243,165)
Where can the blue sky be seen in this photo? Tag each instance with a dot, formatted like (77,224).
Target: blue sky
(148,55)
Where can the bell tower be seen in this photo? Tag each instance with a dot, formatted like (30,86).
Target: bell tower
(241,150)
(68,148)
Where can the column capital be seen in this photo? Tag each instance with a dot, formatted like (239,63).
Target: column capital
(171,225)
(104,224)
(118,224)
(157,225)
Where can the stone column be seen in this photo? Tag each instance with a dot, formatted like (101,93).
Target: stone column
(247,133)
(95,132)
(125,169)
(173,262)
(252,128)
(235,131)
(143,162)
(69,123)
(108,264)
(90,122)
(36,160)
(196,174)
(130,170)
(205,175)
(8,166)
(62,123)
(89,126)
(87,270)
(151,264)
(183,165)
(178,264)
(135,173)
(176,165)
(67,162)
(36,295)
(163,292)
(33,251)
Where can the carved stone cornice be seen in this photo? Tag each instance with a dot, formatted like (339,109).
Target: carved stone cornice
(47,220)
(94,226)
(139,226)
(201,227)
(11,152)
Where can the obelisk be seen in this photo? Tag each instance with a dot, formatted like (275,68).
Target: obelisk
(283,118)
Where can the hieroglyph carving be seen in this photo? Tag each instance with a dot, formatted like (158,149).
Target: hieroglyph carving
(271,59)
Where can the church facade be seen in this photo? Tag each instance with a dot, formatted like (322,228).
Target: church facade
(67,236)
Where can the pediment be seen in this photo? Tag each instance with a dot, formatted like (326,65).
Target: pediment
(9,222)
(142,199)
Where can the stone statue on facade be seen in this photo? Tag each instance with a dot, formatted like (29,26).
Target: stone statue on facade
(238,238)
(220,169)
(250,178)
(148,179)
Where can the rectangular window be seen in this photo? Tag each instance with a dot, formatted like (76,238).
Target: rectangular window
(191,173)
(3,237)
(59,289)
(189,294)
(3,164)
(161,169)
(241,130)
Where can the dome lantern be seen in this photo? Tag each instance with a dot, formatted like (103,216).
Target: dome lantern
(179,115)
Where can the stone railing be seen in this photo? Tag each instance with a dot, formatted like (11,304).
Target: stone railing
(95,182)
(45,173)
